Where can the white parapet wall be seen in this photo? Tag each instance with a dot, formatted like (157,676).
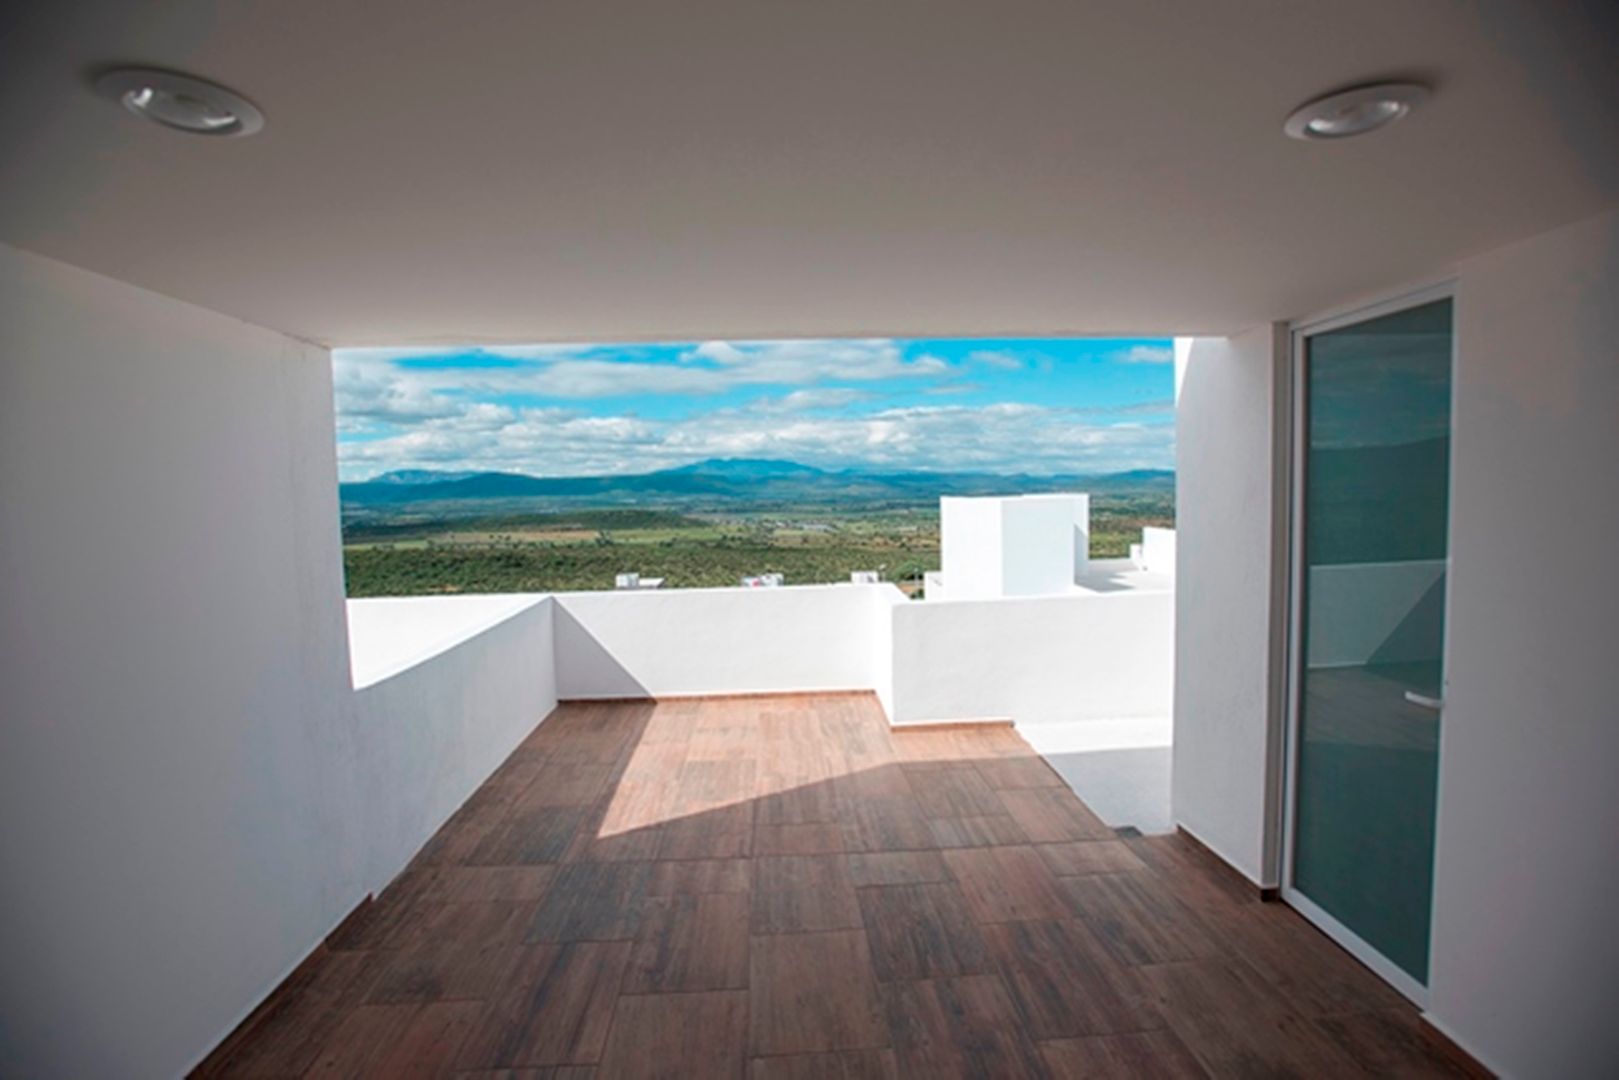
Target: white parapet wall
(1100,666)
(1102,660)
(392,633)
(445,689)
(721,641)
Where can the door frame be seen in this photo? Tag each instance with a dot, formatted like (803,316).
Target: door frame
(1297,433)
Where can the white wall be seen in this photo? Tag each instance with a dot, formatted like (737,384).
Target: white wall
(970,546)
(1525,954)
(882,602)
(432,732)
(1039,538)
(388,634)
(1157,550)
(175,752)
(1525,961)
(1103,663)
(1225,517)
(713,641)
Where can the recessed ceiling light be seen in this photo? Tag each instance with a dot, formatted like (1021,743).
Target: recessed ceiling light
(1354,111)
(181,102)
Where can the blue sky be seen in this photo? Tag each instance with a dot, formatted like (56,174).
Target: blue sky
(1040,406)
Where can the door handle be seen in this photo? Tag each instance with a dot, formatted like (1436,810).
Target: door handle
(1426,702)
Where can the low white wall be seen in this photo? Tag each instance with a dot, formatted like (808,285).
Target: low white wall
(434,731)
(718,641)
(883,602)
(1102,663)
(391,633)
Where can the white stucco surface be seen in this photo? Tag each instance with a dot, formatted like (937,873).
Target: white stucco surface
(970,545)
(431,732)
(1224,442)
(883,603)
(176,757)
(391,633)
(1098,665)
(1525,958)
(711,641)
(1524,962)
(205,796)
(1012,546)
(1158,549)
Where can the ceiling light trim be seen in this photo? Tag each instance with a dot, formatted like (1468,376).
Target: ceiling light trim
(1358,110)
(181,102)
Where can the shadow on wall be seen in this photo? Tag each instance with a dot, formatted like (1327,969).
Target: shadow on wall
(581,653)
(1420,633)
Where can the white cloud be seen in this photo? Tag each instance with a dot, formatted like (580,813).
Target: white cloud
(721,352)
(948,389)
(1002,360)
(1149,354)
(371,384)
(820,397)
(554,442)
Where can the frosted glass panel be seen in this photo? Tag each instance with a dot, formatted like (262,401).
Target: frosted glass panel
(1376,494)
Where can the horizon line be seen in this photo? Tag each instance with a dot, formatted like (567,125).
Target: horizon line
(461,474)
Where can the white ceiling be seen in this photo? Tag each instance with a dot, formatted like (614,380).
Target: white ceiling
(588,169)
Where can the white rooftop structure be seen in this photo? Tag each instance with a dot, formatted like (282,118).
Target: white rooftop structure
(1156,552)
(1034,546)
(1018,545)
(634,580)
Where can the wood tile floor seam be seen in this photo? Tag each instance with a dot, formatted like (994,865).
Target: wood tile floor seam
(849,937)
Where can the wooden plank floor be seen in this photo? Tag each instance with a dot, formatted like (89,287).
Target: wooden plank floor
(783,887)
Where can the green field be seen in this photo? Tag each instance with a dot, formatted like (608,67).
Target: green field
(445,552)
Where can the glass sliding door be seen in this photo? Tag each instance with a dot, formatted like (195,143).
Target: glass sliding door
(1371,510)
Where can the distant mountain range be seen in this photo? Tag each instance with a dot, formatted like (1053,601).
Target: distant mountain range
(420,476)
(730,479)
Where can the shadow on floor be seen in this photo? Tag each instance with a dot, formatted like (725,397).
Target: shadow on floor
(783,886)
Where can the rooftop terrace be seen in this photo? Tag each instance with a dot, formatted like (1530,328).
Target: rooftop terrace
(782,886)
